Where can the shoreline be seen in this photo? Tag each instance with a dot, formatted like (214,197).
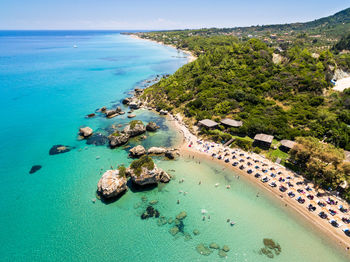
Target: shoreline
(319,226)
(190,58)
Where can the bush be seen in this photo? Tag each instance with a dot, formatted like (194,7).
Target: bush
(144,161)
(257,150)
(122,171)
(243,143)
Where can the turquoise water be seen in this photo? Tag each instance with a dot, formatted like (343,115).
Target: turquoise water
(46,89)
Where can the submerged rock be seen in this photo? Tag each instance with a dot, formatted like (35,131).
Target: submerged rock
(222,253)
(187,236)
(85,131)
(111,184)
(97,139)
(203,250)
(153,202)
(214,246)
(59,149)
(137,151)
(34,169)
(150,212)
(196,232)
(152,127)
(170,220)
(225,248)
(174,230)
(271,245)
(181,215)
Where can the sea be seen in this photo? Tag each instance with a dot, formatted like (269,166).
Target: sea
(49,82)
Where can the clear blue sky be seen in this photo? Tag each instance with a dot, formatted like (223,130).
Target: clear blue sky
(159,14)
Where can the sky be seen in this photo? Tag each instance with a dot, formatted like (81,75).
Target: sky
(159,14)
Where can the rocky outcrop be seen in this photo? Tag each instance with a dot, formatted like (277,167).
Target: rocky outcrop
(163,112)
(156,150)
(135,128)
(169,153)
(126,100)
(59,149)
(113,112)
(135,104)
(118,139)
(148,177)
(152,127)
(111,184)
(137,151)
(34,169)
(97,139)
(85,131)
(138,91)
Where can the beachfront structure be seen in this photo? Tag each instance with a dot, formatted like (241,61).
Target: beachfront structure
(262,140)
(207,123)
(227,122)
(287,145)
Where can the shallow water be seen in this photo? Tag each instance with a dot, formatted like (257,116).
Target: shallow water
(46,89)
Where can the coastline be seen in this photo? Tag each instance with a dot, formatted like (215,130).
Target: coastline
(321,227)
(190,58)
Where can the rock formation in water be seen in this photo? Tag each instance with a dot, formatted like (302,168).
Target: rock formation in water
(111,184)
(85,131)
(118,139)
(34,169)
(97,139)
(151,127)
(137,151)
(135,128)
(59,149)
(144,172)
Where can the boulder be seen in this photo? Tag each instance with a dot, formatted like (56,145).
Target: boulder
(137,151)
(131,116)
(135,128)
(111,184)
(118,139)
(196,232)
(152,127)
(163,112)
(91,115)
(173,231)
(203,250)
(85,131)
(170,154)
(111,113)
(135,104)
(126,101)
(225,248)
(181,215)
(59,149)
(34,169)
(103,109)
(156,150)
(97,139)
(148,177)
(118,109)
(214,246)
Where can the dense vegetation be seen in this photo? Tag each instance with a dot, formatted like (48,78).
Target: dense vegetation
(343,44)
(239,79)
(321,163)
(278,84)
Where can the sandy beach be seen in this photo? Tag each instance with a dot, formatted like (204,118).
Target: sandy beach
(191,145)
(190,56)
(335,235)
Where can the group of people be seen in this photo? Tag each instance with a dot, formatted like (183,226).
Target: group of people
(289,184)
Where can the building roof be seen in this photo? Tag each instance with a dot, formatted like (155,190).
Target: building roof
(264,138)
(288,143)
(207,123)
(231,122)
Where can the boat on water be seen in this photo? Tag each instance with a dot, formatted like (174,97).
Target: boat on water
(75,46)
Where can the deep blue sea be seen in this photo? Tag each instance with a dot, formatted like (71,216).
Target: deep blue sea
(49,82)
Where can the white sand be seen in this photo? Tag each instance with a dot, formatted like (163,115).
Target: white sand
(342,84)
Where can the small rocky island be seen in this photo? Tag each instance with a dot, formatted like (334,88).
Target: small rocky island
(142,172)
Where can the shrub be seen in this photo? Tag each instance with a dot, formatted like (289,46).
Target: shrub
(144,161)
